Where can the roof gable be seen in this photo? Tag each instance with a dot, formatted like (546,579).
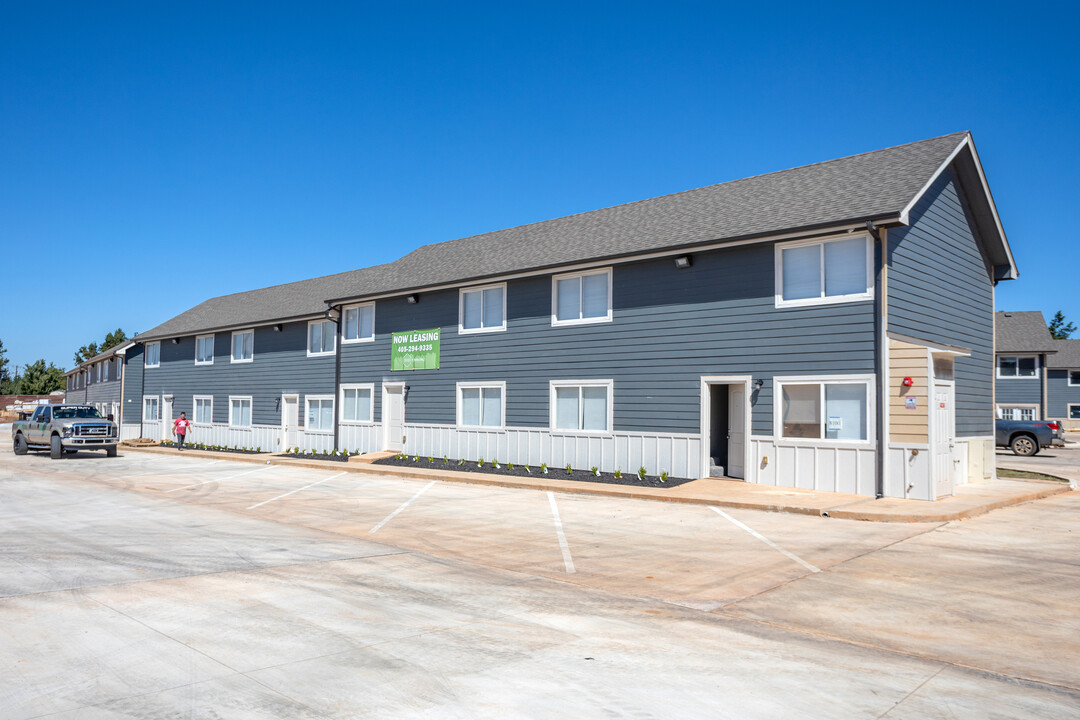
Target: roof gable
(1022,332)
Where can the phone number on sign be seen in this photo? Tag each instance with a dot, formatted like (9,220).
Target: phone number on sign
(415,348)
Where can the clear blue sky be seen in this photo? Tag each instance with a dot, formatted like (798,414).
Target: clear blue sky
(153,156)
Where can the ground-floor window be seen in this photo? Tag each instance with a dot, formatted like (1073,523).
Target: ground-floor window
(204,409)
(1074,412)
(357,403)
(581,405)
(320,413)
(151,409)
(834,408)
(481,404)
(1018,412)
(239,411)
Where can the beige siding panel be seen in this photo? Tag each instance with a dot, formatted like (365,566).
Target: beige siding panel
(907,425)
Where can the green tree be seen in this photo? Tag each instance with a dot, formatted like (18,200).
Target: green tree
(1059,329)
(111,340)
(5,374)
(86,352)
(39,379)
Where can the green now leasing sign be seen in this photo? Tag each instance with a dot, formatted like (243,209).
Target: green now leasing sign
(415,350)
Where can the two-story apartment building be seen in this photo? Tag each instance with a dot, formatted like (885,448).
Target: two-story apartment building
(98,381)
(828,326)
(1036,376)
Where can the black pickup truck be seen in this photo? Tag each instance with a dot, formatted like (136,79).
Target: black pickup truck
(1027,437)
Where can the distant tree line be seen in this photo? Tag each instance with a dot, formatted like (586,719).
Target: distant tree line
(39,378)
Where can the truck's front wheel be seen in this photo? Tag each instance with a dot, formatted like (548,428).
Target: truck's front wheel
(20,445)
(110,451)
(56,448)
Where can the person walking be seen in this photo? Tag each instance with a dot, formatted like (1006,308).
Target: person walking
(180,429)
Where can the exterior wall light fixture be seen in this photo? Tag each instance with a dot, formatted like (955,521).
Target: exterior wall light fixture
(758,384)
(682,262)
(412,299)
(176,341)
(277,328)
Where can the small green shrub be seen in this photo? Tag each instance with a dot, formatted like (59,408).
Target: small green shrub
(664,476)
(595,471)
(509,466)
(495,463)
(569,470)
(527,469)
(445,460)
(543,468)
(480,462)
(641,472)
(618,473)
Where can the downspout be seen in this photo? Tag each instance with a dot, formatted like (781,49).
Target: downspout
(142,390)
(881,349)
(339,348)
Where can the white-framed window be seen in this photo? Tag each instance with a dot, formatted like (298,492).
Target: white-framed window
(579,298)
(1074,411)
(204,349)
(203,409)
(321,335)
(358,403)
(119,367)
(481,404)
(97,372)
(358,323)
(240,411)
(582,406)
(1074,378)
(831,408)
(819,272)
(243,346)
(482,309)
(151,408)
(320,413)
(1026,413)
(1011,367)
(153,354)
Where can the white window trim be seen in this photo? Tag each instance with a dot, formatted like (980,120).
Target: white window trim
(157,400)
(1068,410)
(147,351)
(462,330)
(307,338)
(1068,377)
(501,385)
(371,401)
(232,347)
(1019,406)
(307,410)
(859,379)
(252,404)
(835,299)
(609,384)
(212,348)
(194,414)
(999,376)
(555,322)
(355,306)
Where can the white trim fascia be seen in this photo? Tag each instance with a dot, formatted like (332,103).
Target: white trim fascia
(251,403)
(555,322)
(356,306)
(905,214)
(611,262)
(370,387)
(213,343)
(462,330)
(869,379)
(778,273)
(307,338)
(480,385)
(232,346)
(706,420)
(122,350)
(933,347)
(608,383)
(308,399)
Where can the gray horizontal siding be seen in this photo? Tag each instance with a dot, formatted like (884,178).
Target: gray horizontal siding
(940,291)
(670,327)
(1059,394)
(1019,390)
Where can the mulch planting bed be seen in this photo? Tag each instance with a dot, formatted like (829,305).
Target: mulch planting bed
(315,456)
(189,446)
(519,471)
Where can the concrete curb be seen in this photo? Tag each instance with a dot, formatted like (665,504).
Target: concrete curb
(859,508)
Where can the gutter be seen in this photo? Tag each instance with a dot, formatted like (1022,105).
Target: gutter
(881,350)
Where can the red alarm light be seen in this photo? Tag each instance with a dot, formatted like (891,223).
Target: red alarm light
(908,382)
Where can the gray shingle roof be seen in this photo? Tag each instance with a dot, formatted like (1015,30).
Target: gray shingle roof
(1022,332)
(873,185)
(1067,355)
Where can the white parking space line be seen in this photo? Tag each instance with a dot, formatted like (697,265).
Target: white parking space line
(765,540)
(231,477)
(404,505)
(320,482)
(567,560)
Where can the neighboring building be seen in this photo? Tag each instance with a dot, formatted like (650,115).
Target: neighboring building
(761,329)
(1037,377)
(99,380)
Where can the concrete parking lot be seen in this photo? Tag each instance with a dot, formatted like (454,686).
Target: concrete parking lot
(150,587)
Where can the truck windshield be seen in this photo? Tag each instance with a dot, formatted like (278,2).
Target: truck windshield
(67,413)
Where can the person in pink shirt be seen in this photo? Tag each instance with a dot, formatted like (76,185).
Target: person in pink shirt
(180,429)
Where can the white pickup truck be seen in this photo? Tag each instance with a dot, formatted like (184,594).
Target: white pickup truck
(65,428)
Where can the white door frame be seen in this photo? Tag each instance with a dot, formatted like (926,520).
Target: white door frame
(706,419)
(386,415)
(951,481)
(166,422)
(284,405)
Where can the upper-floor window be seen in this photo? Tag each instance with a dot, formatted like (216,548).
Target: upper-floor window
(153,354)
(831,408)
(1017,366)
(813,272)
(243,346)
(482,309)
(321,335)
(583,297)
(581,405)
(119,367)
(1074,377)
(359,324)
(97,372)
(204,350)
(481,404)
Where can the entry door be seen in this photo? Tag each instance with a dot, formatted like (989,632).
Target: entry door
(393,410)
(290,420)
(944,439)
(166,417)
(736,431)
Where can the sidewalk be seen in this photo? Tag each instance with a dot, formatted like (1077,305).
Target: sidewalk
(969,501)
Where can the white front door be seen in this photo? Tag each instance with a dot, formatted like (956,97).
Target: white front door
(166,417)
(943,441)
(393,412)
(290,421)
(736,430)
